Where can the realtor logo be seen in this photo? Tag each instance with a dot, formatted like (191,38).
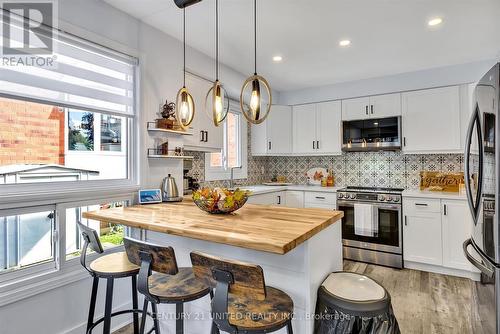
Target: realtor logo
(26,27)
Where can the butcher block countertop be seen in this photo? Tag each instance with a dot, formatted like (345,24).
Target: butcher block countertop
(258,227)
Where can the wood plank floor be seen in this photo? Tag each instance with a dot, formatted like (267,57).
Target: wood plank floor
(424,303)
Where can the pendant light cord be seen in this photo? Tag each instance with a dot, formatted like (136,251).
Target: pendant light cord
(255,34)
(216,40)
(184,39)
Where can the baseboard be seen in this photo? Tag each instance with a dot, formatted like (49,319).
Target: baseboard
(115,325)
(442,270)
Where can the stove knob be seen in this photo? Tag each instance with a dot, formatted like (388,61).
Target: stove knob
(396,199)
(340,195)
(353,196)
(389,198)
(381,198)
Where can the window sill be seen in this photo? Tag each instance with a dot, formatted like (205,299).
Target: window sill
(65,195)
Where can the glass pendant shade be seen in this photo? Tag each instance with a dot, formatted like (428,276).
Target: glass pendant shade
(185,108)
(256,99)
(217,103)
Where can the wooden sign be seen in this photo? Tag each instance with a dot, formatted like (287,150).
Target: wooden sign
(441,181)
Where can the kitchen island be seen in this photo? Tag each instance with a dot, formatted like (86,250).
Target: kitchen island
(297,248)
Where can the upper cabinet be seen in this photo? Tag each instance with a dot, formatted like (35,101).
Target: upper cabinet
(317,128)
(432,121)
(206,136)
(377,106)
(274,136)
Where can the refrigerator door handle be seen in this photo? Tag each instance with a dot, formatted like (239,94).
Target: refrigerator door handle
(474,206)
(479,265)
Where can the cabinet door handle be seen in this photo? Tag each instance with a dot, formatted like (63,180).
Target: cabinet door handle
(445,210)
(320,197)
(421,204)
(202,134)
(206,136)
(406,221)
(404,141)
(317,144)
(371,108)
(367,110)
(269,146)
(314,145)
(279,199)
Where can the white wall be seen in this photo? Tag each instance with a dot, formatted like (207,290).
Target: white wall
(64,309)
(442,76)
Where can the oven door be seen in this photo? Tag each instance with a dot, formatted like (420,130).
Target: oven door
(389,228)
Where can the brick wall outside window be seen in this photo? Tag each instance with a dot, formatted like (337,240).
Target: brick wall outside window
(31,133)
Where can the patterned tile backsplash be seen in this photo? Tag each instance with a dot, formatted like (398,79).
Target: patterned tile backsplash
(374,169)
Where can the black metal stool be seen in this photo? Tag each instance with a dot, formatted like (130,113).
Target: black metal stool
(354,303)
(242,304)
(162,282)
(109,267)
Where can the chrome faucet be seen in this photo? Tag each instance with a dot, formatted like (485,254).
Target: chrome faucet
(231,182)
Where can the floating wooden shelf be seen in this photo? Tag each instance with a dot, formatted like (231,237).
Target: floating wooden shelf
(152,127)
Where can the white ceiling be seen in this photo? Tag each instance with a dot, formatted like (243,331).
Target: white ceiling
(388,36)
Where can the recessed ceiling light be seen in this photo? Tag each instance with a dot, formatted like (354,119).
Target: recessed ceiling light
(277,59)
(435,21)
(345,42)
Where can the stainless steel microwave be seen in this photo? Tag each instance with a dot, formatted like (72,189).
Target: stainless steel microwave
(374,134)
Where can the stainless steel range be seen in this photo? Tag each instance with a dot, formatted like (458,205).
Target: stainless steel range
(372,225)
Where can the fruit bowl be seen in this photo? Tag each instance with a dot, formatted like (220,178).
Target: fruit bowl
(220,200)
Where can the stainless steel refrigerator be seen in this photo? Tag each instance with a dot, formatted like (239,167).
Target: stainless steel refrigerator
(482,151)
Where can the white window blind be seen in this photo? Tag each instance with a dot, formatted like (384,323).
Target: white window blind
(84,76)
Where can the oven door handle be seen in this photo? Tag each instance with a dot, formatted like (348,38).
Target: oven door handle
(476,263)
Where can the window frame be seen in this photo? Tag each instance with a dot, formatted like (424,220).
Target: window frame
(224,172)
(38,278)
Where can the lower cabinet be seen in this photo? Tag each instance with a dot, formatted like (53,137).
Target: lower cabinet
(297,199)
(275,198)
(294,199)
(434,230)
(456,229)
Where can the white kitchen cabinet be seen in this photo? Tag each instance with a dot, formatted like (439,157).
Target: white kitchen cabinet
(206,136)
(387,105)
(433,233)
(304,128)
(317,128)
(294,199)
(274,136)
(328,125)
(422,234)
(431,120)
(353,109)
(457,225)
(377,106)
(320,200)
(274,198)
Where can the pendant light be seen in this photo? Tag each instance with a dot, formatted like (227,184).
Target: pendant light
(185,110)
(217,100)
(256,111)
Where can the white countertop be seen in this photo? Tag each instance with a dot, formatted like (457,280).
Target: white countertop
(434,194)
(263,189)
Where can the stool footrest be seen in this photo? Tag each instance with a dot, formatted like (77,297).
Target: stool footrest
(94,324)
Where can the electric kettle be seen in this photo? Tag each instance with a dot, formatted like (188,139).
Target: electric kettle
(169,190)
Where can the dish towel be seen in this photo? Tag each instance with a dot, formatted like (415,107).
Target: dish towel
(364,220)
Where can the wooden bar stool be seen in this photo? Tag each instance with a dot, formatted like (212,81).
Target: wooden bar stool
(162,282)
(109,267)
(242,303)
